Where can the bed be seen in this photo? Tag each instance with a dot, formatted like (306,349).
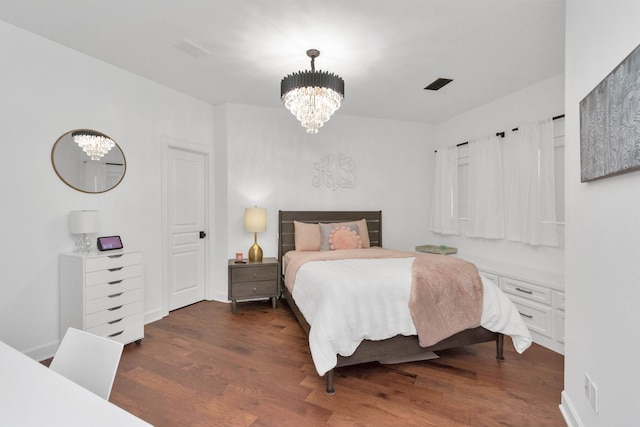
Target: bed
(397,348)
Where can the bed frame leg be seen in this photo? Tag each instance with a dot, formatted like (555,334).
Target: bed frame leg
(330,389)
(500,347)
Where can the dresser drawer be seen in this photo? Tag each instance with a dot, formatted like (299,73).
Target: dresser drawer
(526,290)
(113,275)
(113,316)
(559,300)
(114,287)
(254,289)
(113,301)
(129,334)
(537,317)
(115,329)
(254,274)
(112,261)
(560,326)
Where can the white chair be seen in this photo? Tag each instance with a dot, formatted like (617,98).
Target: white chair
(88,360)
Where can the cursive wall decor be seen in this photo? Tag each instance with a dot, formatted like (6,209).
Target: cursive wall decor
(335,171)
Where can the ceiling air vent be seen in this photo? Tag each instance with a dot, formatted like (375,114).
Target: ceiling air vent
(438,84)
(192,48)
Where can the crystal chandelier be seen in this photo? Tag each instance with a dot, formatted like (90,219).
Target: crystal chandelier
(312,96)
(95,144)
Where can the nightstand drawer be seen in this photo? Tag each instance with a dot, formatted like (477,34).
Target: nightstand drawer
(255,273)
(254,289)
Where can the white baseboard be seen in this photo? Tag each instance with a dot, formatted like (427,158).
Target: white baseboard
(568,411)
(43,352)
(154,315)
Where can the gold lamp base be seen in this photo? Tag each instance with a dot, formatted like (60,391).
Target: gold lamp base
(255,251)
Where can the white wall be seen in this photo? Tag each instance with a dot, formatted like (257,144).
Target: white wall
(270,163)
(533,103)
(602,237)
(261,156)
(48,90)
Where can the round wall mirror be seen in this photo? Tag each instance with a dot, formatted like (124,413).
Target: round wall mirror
(88,161)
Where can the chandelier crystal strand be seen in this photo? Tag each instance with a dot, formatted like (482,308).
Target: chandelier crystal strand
(94,145)
(312,96)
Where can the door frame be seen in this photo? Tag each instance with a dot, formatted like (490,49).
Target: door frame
(168,144)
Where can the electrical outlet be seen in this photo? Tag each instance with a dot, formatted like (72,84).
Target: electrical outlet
(593,391)
(587,386)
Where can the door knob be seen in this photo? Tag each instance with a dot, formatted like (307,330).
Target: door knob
(203,234)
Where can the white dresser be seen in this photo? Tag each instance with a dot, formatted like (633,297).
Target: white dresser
(540,303)
(102,293)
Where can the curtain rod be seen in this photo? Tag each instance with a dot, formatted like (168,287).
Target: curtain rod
(501,134)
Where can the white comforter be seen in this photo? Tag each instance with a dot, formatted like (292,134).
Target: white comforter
(346,301)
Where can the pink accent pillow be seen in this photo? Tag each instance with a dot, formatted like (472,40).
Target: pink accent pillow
(344,237)
(307,236)
(361,229)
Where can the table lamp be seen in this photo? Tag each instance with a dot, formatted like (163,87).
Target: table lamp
(255,221)
(83,222)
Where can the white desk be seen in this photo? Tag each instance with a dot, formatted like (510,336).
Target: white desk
(33,395)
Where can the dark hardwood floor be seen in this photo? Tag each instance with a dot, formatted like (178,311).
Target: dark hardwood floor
(203,366)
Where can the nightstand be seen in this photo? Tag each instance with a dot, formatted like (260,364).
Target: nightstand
(253,280)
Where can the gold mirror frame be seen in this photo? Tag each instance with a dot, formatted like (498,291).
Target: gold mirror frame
(76,169)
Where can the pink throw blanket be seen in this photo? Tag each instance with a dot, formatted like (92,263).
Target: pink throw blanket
(446,297)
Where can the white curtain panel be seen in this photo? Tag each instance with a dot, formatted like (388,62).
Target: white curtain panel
(444,202)
(485,190)
(529,179)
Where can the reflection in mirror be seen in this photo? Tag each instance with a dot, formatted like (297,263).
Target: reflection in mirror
(92,169)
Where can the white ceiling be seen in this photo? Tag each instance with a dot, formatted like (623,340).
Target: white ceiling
(387,51)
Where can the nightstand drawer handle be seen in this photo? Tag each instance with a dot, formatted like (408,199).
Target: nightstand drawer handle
(116,269)
(528,316)
(115,282)
(116,334)
(115,308)
(526,291)
(115,321)
(115,256)
(116,295)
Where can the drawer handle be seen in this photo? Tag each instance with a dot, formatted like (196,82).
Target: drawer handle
(526,291)
(116,334)
(116,269)
(115,308)
(528,316)
(115,256)
(116,295)
(115,282)
(115,321)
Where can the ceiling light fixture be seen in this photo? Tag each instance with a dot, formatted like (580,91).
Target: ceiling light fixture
(312,96)
(95,144)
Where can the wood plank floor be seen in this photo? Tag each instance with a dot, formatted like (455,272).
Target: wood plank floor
(203,366)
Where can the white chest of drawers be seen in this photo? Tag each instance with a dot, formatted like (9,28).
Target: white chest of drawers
(102,293)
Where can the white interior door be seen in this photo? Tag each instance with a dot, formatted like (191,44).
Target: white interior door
(187,211)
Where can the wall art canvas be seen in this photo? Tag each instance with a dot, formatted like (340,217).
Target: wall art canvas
(610,123)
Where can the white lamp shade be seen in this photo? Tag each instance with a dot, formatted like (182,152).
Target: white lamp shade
(83,222)
(255,219)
